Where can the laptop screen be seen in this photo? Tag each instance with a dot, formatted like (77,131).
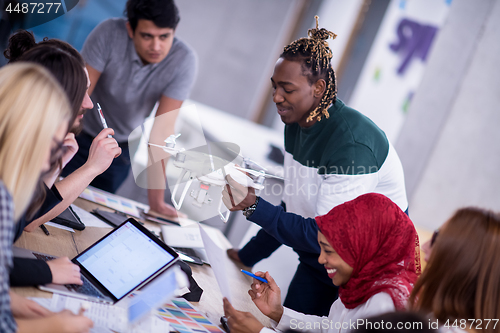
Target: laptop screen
(124,259)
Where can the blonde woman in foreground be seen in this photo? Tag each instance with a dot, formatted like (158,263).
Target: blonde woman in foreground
(34,115)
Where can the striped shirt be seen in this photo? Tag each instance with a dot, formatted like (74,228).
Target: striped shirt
(7,323)
(337,160)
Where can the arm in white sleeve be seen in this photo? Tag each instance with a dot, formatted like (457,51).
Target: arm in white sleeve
(298,321)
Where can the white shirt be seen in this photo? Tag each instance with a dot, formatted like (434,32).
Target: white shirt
(310,194)
(339,320)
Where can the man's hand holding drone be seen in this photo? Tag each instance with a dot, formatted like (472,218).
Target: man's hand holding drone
(236,196)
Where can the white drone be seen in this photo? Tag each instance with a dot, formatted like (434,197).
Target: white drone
(200,163)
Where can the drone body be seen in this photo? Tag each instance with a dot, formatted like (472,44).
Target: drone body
(210,170)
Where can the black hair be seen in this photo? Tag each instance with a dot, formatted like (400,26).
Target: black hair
(19,43)
(163,13)
(64,47)
(66,65)
(59,57)
(315,55)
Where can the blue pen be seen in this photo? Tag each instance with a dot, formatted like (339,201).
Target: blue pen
(254,276)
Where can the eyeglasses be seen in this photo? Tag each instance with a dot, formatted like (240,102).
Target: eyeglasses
(434,236)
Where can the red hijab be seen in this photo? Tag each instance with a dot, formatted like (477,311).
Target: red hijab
(378,240)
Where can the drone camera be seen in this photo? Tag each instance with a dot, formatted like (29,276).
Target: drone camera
(181,158)
(201,195)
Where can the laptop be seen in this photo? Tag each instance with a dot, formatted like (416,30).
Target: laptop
(117,264)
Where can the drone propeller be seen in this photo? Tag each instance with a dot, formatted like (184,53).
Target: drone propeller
(252,164)
(249,162)
(169,150)
(170,141)
(257,173)
(154,145)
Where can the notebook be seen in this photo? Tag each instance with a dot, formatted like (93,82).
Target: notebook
(117,264)
(114,219)
(187,240)
(70,219)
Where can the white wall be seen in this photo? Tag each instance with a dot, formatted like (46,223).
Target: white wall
(450,143)
(383,92)
(237,42)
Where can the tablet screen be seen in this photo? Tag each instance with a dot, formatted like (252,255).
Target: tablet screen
(124,259)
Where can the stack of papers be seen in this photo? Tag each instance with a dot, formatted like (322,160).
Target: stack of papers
(107,318)
(189,236)
(203,239)
(176,315)
(188,239)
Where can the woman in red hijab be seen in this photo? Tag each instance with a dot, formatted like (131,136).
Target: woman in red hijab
(369,248)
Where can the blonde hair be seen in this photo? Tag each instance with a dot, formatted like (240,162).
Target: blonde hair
(32,107)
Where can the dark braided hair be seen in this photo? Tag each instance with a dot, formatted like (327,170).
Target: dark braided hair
(315,55)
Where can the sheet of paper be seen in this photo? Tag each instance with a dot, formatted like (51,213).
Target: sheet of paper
(217,258)
(155,293)
(107,318)
(185,236)
(88,219)
(45,302)
(57,225)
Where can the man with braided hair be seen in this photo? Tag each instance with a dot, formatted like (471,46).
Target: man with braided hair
(333,154)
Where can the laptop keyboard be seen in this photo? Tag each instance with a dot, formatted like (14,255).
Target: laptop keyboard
(87,288)
(43,257)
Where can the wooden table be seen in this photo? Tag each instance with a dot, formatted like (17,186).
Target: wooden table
(64,243)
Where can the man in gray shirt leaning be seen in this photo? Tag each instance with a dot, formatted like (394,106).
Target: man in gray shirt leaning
(133,64)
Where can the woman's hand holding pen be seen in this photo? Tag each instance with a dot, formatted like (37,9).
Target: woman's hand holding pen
(267,296)
(102,152)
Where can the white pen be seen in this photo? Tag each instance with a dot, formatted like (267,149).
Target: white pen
(103,121)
